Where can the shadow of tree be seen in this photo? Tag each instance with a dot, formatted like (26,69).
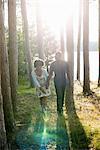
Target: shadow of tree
(62,135)
(79,140)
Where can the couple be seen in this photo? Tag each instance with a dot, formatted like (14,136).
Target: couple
(41,81)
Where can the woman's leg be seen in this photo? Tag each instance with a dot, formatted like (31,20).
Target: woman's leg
(43,102)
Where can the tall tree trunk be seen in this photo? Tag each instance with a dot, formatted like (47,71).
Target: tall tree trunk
(62,42)
(86,82)
(26,33)
(3,143)
(5,80)
(79,40)
(39,32)
(69,102)
(99,44)
(13,51)
(70,53)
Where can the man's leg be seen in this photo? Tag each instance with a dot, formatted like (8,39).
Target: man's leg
(63,93)
(60,97)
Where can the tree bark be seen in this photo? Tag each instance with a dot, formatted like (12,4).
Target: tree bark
(3,141)
(79,41)
(99,45)
(62,42)
(26,33)
(5,80)
(70,53)
(39,32)
(13,51)
(69,101)
(86,82)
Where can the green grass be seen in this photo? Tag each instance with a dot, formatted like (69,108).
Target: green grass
(26,103)
(84,125)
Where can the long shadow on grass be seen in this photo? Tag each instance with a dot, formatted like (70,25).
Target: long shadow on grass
(62,140)
(79,140)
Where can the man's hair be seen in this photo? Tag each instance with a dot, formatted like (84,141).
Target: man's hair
(38,62)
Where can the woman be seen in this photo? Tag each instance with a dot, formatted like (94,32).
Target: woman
(40,75)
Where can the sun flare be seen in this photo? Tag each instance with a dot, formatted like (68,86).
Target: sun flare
(55,12)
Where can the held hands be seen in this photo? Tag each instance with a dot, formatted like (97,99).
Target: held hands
(42,89)
(47,85)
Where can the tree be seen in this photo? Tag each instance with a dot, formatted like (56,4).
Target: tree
(70,53)
(5,80)
(99,45)
(39,32)
(69,102)
(62,41)
(3,142)
(79,40)
(86,82)
(13,51)
(26,33)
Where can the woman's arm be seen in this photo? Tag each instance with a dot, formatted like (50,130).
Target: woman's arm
(36,83)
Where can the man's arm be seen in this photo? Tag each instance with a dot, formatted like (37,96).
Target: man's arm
(68,71)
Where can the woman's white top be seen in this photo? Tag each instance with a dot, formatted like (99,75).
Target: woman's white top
(40,81)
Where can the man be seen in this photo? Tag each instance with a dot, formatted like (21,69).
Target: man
(60,69)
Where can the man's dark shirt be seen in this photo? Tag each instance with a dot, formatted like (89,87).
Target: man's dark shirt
(60,70)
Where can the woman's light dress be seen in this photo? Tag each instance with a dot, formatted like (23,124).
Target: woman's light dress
(40,81)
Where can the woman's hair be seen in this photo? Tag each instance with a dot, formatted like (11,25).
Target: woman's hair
(38,62)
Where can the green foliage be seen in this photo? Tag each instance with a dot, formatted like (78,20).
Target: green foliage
(49,42)
(21,54)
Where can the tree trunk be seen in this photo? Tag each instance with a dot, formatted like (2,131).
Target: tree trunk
(13,51)
(5,80)
(86,82)
(99,45)
(39,32)
(69,102)
(79,40)
(62,42)
(70,53)
(3,143)
(26,33)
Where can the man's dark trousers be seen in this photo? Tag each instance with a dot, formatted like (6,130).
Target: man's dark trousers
(60,90)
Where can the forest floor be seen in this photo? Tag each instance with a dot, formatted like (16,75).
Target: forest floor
(58,132)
